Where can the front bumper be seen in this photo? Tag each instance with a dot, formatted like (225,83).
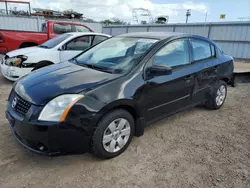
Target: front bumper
(14,73)
(50,138)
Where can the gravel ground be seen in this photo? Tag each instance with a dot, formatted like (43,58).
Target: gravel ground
(196,148)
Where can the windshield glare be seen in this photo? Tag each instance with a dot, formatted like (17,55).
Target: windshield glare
(55,41)
(116,54)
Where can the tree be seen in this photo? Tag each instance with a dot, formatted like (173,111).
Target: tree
(69,11)
(72,14)
(89,20)
(115,21)
(19,12)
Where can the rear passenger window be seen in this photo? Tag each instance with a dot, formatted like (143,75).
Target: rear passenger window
(213,50)
(79,28)
(62,28)
(173,54)
(99,39)
(201,50)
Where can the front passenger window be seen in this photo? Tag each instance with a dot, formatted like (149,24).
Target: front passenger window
(173,54)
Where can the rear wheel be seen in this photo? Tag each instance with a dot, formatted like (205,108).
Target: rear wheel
(218,96)
(113,134)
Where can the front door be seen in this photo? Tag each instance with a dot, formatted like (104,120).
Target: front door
(167,94)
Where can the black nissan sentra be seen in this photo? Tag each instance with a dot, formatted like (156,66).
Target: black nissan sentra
(103,97)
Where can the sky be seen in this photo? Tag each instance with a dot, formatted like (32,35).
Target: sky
(122,9)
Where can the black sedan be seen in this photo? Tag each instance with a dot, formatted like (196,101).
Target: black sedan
(103,97)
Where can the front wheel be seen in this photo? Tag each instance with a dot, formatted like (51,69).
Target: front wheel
(218,96)
(113,134)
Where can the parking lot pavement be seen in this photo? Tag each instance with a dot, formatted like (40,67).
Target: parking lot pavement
(196,148)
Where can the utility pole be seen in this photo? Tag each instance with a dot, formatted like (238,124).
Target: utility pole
(6,6)
(205,20)
(188,13)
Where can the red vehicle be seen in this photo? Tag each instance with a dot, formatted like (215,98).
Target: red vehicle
(11,40)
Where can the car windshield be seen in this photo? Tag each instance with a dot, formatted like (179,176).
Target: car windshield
(115,55)
(55,41)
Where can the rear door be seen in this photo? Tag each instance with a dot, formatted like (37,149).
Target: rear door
(204,59)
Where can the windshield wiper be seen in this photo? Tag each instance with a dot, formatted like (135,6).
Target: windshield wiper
(104,69)
(77,62)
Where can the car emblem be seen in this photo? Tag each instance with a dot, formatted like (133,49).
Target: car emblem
(14,102)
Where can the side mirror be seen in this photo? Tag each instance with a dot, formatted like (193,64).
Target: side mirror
(159,70)
(62,48)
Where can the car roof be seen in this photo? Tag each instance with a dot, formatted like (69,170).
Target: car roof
(76,34)
(153,35)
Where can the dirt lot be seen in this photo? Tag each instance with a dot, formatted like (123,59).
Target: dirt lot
(196,148)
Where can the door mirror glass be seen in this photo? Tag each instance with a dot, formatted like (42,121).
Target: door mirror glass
(159,70)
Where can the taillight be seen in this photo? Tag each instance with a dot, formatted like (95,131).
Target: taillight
(1,38)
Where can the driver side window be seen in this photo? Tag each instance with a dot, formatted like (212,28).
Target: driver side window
(174,54)
(79,44)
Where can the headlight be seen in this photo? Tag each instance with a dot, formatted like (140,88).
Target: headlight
(14,61)
(58,108)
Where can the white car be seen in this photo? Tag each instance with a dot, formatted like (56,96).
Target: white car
(20,62)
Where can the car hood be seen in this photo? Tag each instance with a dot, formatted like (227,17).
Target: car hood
(42,85)
(26,51)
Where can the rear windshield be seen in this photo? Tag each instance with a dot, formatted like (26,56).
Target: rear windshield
(55,41)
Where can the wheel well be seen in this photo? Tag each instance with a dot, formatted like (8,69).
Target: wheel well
(42,64)
(45,62)
(225,80)
(130,109)
(28,44)
(139,125)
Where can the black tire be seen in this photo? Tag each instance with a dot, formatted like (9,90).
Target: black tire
(42,64)
(97,144)
(211,104)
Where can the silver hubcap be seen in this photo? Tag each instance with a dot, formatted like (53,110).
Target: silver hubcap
(221,95)
(116,135)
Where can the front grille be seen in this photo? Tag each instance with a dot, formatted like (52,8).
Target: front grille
(20,105)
